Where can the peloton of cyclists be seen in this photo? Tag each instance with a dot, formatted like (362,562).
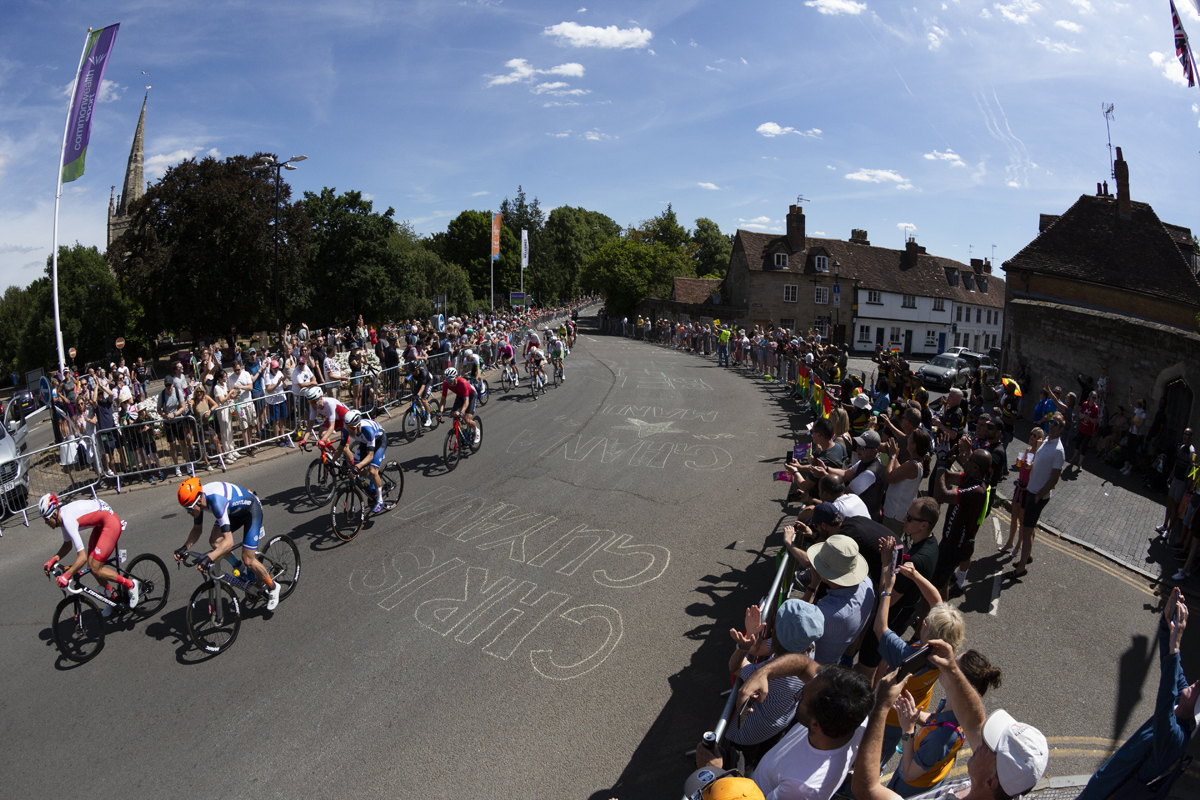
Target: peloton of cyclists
(233,508)
(372,447)
(465,398)
(105,527)
(326,411)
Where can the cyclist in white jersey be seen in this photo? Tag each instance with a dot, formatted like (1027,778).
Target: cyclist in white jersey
(372,447)
(105,529)
(325,411)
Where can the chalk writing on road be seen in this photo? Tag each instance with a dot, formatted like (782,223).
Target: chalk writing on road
(683,414)
(639,452)
(628,378)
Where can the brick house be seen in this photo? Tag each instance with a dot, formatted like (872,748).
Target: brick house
(861,294)
(1107,283)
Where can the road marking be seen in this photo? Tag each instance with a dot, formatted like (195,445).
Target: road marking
(994,609)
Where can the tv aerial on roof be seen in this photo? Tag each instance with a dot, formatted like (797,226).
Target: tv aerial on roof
(1108,116)
(801,199)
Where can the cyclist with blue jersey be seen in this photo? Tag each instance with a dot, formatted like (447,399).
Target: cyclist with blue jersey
(372,447)
(232,507)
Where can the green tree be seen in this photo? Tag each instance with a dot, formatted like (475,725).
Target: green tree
(663,230)
(199,252)
(16,309)
(467,243)
(571,236)
(712,248)
(519,215)
(626,271)
(422,274)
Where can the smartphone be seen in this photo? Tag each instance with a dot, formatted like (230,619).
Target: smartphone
(896,552)
(744,712)
(915,663)
(787,456)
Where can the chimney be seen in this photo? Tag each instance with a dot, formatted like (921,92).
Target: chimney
(987,266)
(911,251)
(858,236)
(1106,194)
(1099,192)
(795,228)
(1121,174)
(977,265)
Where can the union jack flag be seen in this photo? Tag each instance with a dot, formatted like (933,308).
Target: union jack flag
(1182,49)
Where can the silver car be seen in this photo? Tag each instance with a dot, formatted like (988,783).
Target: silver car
(944,372)
(14,479)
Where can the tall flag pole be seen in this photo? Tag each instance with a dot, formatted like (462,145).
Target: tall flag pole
(77,131)
(1181,47)
(496,222)
(524,261)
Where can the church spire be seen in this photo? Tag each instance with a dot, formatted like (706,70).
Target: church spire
(134,182)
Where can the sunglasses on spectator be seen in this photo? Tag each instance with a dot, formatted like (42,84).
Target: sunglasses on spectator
(911,518)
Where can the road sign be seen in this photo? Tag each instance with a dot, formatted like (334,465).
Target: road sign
(120,343)
(44,390)
(837,295)
(516,299)
(71,352)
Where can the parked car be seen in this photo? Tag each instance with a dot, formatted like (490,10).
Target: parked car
(27,401)
(14,479)
(944,372)
(955,352)
(982,365)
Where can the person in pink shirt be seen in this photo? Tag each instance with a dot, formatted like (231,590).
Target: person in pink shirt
(1089,419)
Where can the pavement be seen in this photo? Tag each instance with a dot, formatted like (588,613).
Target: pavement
(551,617)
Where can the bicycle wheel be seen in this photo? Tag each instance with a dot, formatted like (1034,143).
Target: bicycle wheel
(393,484)
(483,392)
(318,482)
(555,373)
(450,450)
(281,558)
(435,408)
(410,424)
(213,617)
(533,384)
(506,379)
(151,573)
(78,628)
(347,513)
(477,441)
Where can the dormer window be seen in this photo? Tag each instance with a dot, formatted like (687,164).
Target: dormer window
(781,260)
(982,281)
(952,276)
(821,263)
(969,281)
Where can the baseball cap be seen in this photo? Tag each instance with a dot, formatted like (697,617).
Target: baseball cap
(869,440)
(1021,752)
(823,513)
(798,624)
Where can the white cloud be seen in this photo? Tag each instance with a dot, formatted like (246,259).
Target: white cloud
(110,91)
(837,6)
(1172,69)
(954,158)
(935,35)
(1013,184)
(1084,6)
(985,14)
(17,248)
(706,185)
(520,70)
(818,233)
(692,43)
(709,68)
(906,226)
(1057,47)
(562,135)
(597,136)
(772,129)
(744,61)
(880,176)
(1017,11)
(755,221)
(156,166)
(558,89)
(1073,27)
(651,52)
(1195,108)
(368,196)
(580,11)
(612,37)
(831,166)
(479,194)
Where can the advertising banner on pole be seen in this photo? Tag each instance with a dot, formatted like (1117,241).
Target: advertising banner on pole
(516,299)
(496,222)
(83,99)
(524,249)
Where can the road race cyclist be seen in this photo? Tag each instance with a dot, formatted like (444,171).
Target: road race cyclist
(372,447)
(422,386)
(557,351)
(232,507)
(326,410)
(471,365)
(465,398)
(508,356)
(105,527)
(534,364)
(532,342)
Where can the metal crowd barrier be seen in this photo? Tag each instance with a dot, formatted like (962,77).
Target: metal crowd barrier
(56,469)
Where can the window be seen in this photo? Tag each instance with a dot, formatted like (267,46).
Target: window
(978,315)
(977,341)
(781,260)
(969,281)
(822,326)
(873,297)
(931,338)
(910,301)
(956,339)
(822,296)
(959,318)
(982,281)
(989,316)
(788,322)
(821,263)
(939,304)
(864,333)
(894,336)
(789,293)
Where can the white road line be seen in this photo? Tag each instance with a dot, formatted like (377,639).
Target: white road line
(996,531)
(994,609)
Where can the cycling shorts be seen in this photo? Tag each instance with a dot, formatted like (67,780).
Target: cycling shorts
(380,452)
(421,385)
(252,520)
(104,538)
(467,404)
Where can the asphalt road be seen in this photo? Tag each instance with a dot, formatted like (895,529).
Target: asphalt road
(549,620)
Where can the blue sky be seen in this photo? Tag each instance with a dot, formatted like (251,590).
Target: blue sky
(961,118)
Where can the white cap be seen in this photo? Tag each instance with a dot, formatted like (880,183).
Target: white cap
(1021,752)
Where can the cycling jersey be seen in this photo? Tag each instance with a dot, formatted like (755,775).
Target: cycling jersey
(97,516)
(370,433)
(556,348)
(329,409)
(533,343)
(471,363)
(537,357)
(234,507)
(506,351)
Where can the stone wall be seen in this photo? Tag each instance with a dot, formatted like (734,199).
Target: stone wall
(1059,342)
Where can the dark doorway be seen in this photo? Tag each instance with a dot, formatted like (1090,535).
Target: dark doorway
(908,343)
(879,336)
(839,334)
(1179,409)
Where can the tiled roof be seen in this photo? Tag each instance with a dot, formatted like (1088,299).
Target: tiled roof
(874,267)
(694,290)
(1090,242)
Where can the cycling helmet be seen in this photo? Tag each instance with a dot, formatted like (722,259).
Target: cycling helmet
(468,353)
(189,492)
(353,418)
(449,374)
(312,393)
(732,787)
(48,505)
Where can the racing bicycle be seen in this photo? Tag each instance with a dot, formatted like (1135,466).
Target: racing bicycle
(78,625)
(321,478)
(412,424)
(354,499)
(459,440)
(508,376)
(537,381)
(481,389)
(214,614)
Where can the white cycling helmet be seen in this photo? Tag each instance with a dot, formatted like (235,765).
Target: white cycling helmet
(449,374)
(353,418)
(312,393)
(47,505)
(467,353)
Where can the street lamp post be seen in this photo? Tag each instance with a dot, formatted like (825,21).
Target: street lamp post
(269,162)
(837,293)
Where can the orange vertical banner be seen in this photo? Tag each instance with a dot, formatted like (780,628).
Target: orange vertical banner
(496,222)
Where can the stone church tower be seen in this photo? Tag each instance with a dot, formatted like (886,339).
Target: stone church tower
(134,188)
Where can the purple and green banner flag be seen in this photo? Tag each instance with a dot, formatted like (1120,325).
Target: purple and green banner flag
(83,101)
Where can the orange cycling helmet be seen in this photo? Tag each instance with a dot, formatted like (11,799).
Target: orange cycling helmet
(732,787)
(189,492)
